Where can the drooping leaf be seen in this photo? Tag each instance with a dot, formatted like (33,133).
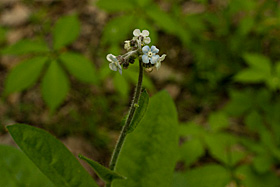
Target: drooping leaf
(149,154)
(18,170)
(140,110)
(205,176)
(24,75)
(25,47)
(66,30)
(50,156)
(55,86)
(104,173)
(79,66)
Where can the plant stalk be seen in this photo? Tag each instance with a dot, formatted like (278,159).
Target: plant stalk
(126,126)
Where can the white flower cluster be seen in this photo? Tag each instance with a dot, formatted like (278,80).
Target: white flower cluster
(134,49)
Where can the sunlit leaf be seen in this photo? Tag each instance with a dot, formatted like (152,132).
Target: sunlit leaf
(79,66)
(24,75)
(55,85)
(66,30)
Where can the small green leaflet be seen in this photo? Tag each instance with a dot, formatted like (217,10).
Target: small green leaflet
(140,110)
(104,173)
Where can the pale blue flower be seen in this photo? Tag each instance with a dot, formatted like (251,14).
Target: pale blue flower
(115,64)
(158,63)
(149,55)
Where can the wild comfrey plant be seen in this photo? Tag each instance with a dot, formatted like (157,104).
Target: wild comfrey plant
(146,157)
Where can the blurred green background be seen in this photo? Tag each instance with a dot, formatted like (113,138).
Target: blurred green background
(222,69)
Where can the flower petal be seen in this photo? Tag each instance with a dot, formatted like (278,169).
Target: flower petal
(162,57)
(136,32)
(111,58)
(145,59)
(154,59)
(145,33)
(158,64)
(147,40)
(120,71)
(154,49)
(113,66)
(145,49)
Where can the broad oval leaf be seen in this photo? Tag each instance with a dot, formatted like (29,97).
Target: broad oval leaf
(104,173)
(140,110)
(55,86)
(66,30)
(25,47)
(79,66)
(18,170)
(50,156)
(24,75)
(149,154)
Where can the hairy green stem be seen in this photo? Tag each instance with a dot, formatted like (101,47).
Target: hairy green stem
(126,126)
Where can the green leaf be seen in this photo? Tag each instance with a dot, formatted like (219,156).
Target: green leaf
(18,170)
(263,162)
(140,110)
(251,76)
(55,86)
(50,156)
(191,151)
(149,154)
(218,121)
(254,121)
(190,129)
(24,75)
(66,30)
(79,66)
(205,176)
(117,29)
(224,148)
(25,47)
(115,6)
(104,173)
(258,62)
(249,178)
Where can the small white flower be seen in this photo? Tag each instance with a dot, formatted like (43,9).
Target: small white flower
(160,59)
(137,33)
(115,64)
(127,45)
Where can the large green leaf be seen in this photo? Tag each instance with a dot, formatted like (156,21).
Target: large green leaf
(17,170)
(218,121)
(25,47)
(104,173)
(205,176)
(149,154)
(249,75)
(140,110)
(79,66)
(24,75)
(50,156)
(258,62)
(55,86)
(66,30)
